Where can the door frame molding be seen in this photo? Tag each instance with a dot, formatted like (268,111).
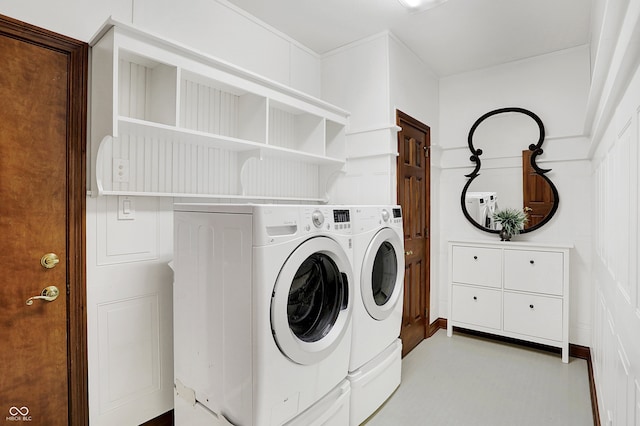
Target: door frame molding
(77,53)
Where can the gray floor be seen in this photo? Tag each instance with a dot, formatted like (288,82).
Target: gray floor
(472,381)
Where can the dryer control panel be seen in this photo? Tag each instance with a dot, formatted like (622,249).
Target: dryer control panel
(396,217)
(371,218)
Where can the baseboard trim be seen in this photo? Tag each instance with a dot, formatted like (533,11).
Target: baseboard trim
(584,352)
(576,351)
(165,419)
(440,323)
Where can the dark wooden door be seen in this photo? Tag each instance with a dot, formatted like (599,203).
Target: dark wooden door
(413,173)
(42,193)
(537,194)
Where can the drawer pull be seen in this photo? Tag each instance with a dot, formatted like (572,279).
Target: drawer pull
(531,262)
(475,257)
(475,297)
(531,306)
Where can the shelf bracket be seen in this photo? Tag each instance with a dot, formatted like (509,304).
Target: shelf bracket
(330,174)
(243,160)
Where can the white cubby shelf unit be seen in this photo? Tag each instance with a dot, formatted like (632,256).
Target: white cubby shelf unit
(170,121)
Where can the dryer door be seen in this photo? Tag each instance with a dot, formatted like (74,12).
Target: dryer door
(381,280)
(311,305)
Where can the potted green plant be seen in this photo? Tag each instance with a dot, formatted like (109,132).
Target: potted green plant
(512,221)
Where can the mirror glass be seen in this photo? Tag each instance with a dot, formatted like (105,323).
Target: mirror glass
(501,175)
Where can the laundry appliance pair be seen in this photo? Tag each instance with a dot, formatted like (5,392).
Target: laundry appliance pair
(481,207)
(265,299)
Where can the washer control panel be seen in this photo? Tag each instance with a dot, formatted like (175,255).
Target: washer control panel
(328,218)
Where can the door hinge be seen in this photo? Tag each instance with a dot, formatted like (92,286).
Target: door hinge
(426,312)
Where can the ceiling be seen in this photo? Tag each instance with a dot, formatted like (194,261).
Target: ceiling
(457,36)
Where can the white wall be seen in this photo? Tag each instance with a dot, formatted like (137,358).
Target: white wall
(214,27)
(356,78)
(555,87)
(615,345)
(371,79)
(218,28)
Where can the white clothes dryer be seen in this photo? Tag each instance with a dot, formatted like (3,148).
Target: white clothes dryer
(492,208)
(262,308)
(378,255)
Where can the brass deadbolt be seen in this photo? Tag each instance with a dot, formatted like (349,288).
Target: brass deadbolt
(49,260)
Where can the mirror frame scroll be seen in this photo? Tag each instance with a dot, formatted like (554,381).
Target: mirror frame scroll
(536,149)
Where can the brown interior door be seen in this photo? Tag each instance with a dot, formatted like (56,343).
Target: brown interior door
(43,115)
(413,173)
(537,195)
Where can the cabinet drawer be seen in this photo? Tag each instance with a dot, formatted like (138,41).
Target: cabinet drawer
(479,266)
(476,306)
(533,315)
(536,271)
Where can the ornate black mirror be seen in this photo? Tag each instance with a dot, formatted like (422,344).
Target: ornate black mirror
(509,140)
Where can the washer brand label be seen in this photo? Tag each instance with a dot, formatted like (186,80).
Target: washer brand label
(18,414)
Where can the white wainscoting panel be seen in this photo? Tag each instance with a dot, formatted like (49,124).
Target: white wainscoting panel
(129,356)
(127,240)
(129,310)
(615,343)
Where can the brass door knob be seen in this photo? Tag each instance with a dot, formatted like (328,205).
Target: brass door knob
(48,294)
(49,260)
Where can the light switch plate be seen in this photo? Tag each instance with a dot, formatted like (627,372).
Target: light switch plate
(126,208)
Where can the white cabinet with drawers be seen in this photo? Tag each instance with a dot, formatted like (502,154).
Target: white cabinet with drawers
(511,289)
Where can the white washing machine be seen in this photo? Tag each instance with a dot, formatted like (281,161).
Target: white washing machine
(479,207)
(262,309)
(376,350)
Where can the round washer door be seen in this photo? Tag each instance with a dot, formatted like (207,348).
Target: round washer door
(381,280)
(310,305)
